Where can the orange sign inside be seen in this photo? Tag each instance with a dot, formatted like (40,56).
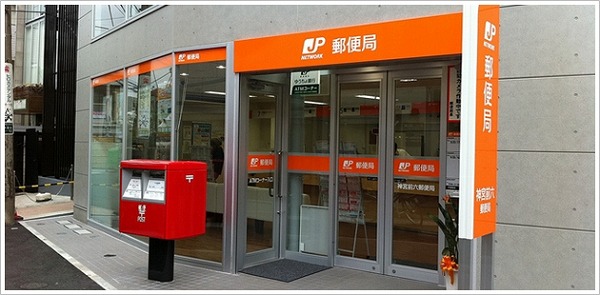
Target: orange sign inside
(358,165)
(486,121)
(416,167)
(318,164)
(261,162)
(430,36)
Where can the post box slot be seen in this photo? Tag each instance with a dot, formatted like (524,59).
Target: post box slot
(145,185)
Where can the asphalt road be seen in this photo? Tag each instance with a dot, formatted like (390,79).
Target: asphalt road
(30,264)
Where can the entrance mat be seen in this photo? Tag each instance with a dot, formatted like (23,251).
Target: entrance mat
(284,270)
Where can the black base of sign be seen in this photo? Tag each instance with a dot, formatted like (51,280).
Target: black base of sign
(161,259)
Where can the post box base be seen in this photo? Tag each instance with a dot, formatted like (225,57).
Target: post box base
(161,259)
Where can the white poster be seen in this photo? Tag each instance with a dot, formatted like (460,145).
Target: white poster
(144,104)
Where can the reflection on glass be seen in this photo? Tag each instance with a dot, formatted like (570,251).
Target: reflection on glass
(200,125)
(307,193)
(149,111)
(357,188)
(260,193)
(106,148)
(416,135)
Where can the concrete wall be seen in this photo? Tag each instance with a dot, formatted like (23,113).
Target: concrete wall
(546,202)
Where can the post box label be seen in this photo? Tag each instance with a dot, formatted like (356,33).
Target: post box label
(134,189)
(141,213)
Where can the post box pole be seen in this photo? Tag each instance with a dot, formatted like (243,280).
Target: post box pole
(161,259)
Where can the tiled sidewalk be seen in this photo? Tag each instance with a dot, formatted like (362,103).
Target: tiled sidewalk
(116,264)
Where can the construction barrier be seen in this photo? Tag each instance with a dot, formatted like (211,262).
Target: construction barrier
(45,184)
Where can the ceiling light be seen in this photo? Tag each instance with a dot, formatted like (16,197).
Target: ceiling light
(214,92)
(315,102)
(366,96)
(221,67)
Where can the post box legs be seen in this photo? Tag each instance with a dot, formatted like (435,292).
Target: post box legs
(161,259)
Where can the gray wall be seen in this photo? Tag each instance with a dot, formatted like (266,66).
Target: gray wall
(546,203)
(546,199)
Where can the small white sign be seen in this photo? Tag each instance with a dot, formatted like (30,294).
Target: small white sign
(305,82)
(134,189)
(155,190)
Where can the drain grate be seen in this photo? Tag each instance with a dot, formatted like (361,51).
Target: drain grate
(110,255)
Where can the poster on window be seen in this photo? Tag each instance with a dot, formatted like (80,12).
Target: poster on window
(454,94)
(144,102)
(164,115)
(201,134)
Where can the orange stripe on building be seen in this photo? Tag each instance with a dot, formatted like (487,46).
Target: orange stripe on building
(108,78)
(151,65)
(200,56)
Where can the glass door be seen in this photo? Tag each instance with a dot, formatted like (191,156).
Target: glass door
(359,189)
(414,133)
(388,131)
(261,198)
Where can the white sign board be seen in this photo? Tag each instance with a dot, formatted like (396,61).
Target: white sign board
(8,103)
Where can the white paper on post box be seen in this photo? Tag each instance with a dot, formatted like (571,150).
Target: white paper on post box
(134,189)
(155,190)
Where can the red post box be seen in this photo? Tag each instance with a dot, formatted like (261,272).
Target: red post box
(165,201)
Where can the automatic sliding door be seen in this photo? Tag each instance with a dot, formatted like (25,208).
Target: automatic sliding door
(358,186)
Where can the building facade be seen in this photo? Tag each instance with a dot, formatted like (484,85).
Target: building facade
(339,158)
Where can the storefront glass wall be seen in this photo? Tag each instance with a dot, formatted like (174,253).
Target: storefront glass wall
(416,136)
(200,125)
(106,147)
(149,110)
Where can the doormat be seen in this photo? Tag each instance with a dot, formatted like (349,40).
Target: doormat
(284,270)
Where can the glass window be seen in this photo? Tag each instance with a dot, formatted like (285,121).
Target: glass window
(149,109)
(137,9)
(201,132)
(34,11)
(33,64)
(107,17)
(106,148)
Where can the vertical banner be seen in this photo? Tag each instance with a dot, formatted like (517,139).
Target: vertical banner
(9,102)
(479,121)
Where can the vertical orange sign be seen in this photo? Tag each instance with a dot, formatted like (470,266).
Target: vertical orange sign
(486,121)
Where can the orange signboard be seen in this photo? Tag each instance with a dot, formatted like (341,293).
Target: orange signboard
(198,56)
(108,78)
(486,121)
(430,36)
(151,65)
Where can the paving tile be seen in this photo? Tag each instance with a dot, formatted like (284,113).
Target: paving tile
(118,265)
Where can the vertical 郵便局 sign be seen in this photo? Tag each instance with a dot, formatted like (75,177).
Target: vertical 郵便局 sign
(479,121)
